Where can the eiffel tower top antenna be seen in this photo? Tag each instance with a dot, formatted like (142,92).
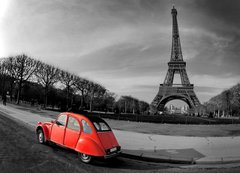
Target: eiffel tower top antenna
(176,52)
(173,5)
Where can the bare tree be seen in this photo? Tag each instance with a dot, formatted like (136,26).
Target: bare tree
(226,102)
(3,74)
(95,90)
(143,107)
(12,73)
(129,104)
(236,99)
(23,68)
(68,80)
(110,99)
(82,86)
(47,76)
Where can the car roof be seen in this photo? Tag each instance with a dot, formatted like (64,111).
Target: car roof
(90,117)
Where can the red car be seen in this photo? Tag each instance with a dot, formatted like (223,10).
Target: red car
(89,136)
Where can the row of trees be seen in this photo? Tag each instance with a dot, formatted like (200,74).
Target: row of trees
(226,103)
(24,78)
(128,104)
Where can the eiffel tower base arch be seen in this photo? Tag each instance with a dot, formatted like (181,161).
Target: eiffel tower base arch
(167,93)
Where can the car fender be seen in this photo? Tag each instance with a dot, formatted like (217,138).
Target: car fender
(45,130)
(88,146)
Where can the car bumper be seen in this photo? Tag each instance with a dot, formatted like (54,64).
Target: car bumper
(112,155)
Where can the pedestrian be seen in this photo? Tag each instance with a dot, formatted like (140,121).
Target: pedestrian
(4,98)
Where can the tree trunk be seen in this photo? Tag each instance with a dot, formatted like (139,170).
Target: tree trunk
(82,100)
(91,104)
(46,98)
(125,106)
(11,89)
(19,91)
(67,97)
(3,85)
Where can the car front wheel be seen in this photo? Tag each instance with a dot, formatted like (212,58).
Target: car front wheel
(40,136)
(85,158)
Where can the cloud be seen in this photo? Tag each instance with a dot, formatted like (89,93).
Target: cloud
(215,37)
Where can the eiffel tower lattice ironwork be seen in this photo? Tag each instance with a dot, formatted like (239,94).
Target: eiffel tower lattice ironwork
(169,91)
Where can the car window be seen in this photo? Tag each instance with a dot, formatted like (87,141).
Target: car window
(86,127)
(97,126)
(73,124)
(62,120)
(101,126)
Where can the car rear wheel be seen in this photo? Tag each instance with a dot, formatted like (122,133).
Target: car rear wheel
(85,158)
(40,136)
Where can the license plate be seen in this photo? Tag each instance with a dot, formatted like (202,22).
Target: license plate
(113,149)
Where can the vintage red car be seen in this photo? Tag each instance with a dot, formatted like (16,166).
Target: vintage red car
(89,136)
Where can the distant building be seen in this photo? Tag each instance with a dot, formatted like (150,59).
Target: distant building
(184,109)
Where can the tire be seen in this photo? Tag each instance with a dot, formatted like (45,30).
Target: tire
(85,158)
(40,136)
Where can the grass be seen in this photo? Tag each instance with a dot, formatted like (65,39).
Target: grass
(218,130)
(168,118)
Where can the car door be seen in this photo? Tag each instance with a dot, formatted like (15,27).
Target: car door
(58,129)
(72,132)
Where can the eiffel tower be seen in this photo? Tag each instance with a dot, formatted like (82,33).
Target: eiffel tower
(169,91)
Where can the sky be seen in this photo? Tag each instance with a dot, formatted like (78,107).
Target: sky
(125,45)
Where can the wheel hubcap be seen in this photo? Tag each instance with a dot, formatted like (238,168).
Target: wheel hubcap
(40,137)
(85,157)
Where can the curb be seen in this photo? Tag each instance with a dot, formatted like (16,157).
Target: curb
(219,160)
(161,159)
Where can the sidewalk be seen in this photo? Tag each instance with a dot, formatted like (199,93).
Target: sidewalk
(158,148)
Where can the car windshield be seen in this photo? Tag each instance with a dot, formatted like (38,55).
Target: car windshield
(101,126)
